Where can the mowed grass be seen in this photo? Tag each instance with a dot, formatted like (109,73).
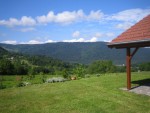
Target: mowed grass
(11,80)
(89,95)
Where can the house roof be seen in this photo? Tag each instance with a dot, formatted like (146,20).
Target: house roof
(136,36)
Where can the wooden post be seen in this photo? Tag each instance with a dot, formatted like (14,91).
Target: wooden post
(128,68)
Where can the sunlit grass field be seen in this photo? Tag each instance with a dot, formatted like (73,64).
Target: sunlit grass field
(87,95)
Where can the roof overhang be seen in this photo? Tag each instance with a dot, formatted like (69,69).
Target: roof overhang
(131,44)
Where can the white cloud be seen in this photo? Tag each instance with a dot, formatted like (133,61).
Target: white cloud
(98,35)
(125,19)
(93,39)
(75,40)
(9,42)
(27,29)
(33,42)
(50,41)
(131,15)
(68,17)
(44,19)
(124,26)
(95,15)
(27,21)
(29,42)
(76,34)
(65,17)
(38,42)
(109,34)
(107,40)
(24,21)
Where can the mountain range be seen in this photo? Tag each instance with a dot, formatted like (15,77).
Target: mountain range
(79,52)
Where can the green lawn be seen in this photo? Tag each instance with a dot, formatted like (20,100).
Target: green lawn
(88,95)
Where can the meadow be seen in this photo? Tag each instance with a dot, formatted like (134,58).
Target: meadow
(86,95)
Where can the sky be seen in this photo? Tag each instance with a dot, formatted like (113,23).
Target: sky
(51,21)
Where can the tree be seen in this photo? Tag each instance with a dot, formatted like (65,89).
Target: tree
(79,70)
(145,66)
(101,67)
(20,69)
(65,73)
(6,67)
(120,68)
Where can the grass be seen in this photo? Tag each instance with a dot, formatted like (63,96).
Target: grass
(88,95)
(11,81)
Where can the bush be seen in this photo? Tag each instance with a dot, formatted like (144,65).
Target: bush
(43,78)
(79,71)
(98,75)
(87,76)
(103,66)
(1,82)
(65,74)
(145,66)
(22,84)
(2,86)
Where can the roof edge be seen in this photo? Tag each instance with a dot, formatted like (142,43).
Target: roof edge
(128,42)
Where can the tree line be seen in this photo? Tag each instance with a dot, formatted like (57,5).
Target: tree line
(34,65)
(23,65)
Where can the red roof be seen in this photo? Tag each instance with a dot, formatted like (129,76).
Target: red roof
(137,33)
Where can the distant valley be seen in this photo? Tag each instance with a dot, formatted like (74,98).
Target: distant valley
(79,52)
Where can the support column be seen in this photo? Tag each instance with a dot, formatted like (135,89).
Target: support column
(128,68)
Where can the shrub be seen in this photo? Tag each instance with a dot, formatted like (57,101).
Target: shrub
(98,75)
(2,86)
(65,73)
(43,77)
(30,77)
(26,83)
(87,76)
(79,71)
(22,84)
(1,82)
(101,67)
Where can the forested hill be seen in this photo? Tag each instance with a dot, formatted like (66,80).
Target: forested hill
(19,64)
(3,51)
(80,52)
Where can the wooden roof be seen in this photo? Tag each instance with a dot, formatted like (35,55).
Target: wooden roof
(136,36)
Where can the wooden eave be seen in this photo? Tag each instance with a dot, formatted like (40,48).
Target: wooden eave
(131,44)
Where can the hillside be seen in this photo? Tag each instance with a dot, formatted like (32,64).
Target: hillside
(16,63)
(3,51)
(79,52)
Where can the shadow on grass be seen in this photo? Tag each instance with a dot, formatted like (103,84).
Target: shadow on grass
(144,82)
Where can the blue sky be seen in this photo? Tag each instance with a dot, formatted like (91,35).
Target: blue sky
(47,21)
